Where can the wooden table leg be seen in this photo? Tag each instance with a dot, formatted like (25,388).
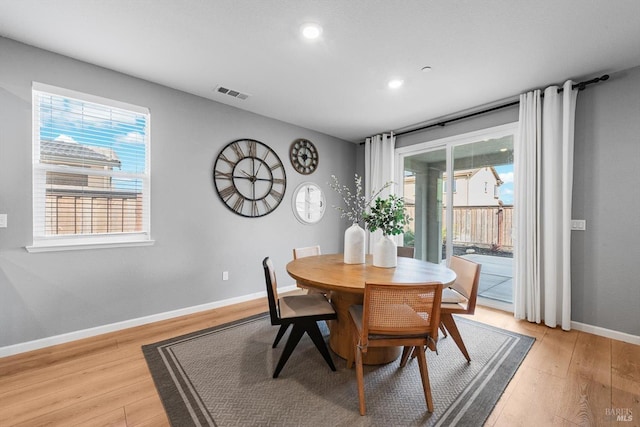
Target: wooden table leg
(340,339)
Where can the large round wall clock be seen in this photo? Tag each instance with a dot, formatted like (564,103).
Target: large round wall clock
(249,178)
(304,156)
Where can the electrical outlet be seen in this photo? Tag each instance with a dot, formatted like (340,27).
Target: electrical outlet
(225,275)
(578,224)
(3,220)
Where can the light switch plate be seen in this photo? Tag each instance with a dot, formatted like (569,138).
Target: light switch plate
(3,220)
(578,224)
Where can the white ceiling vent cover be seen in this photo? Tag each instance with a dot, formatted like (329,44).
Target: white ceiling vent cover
(231,92)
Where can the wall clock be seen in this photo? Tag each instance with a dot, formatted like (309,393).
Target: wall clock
(249,178)
(304,156)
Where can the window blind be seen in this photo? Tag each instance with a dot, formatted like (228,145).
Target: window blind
(91,177)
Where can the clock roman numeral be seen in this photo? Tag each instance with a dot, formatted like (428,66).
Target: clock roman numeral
(224,158)
(237,149)
(254,208)
(275,194)
(253,149)
(224,175)
(278,181)
(276,166)
(239,203)
(225,193)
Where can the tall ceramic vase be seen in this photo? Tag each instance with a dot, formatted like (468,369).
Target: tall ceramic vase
(385,253)
(354,245)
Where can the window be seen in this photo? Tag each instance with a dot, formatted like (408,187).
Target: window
(91,173)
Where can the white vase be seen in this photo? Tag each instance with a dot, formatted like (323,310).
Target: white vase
(385,253)
(354,245)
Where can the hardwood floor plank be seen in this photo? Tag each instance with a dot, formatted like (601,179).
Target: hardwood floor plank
(625,381)
(81,387)
(115,418)
(553,352)
(144,410)
(55,354)
(533,401)
(87,409)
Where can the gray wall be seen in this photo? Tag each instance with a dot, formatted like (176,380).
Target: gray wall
(197,238)
(606,192)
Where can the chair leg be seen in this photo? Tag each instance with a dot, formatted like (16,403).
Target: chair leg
(424,374)
(450,324)
(281,331)
(294,339)
(317,338)
(406,352)
(443,329)
(350,357)
(360,380)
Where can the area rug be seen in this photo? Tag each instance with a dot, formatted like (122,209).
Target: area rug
(222,376)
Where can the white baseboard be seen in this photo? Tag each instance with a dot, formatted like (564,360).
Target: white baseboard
(99,330)
(607,333)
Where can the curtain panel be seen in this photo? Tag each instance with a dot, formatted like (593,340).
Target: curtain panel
(378,170)
(544,166)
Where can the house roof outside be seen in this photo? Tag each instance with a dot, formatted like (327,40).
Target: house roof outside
(65,151)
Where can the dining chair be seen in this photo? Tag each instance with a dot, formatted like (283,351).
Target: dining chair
(305,252)
(395,315)
(460,298)
(301,311)
(406,251)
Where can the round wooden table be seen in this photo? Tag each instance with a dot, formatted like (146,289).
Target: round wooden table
(345,283)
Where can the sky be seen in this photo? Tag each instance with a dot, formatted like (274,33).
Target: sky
(95,125)
(506,189)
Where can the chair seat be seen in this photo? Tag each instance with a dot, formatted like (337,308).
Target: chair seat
(451,296)
(309,305)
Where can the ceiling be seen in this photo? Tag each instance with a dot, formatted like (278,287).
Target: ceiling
(481,52)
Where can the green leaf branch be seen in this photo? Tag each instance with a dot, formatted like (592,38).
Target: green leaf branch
(388,215)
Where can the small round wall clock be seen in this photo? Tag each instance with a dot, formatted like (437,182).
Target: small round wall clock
(304,156)
(249,178)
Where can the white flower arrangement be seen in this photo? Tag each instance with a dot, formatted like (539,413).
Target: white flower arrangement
(356,204)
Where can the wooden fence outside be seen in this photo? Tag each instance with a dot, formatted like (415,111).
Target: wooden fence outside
(483,226)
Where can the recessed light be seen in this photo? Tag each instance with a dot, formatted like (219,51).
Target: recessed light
(311,31)
(395,83)
(502,150)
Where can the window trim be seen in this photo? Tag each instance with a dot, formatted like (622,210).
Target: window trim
(41,243)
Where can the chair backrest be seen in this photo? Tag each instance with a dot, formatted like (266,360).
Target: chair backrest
(467,280)
(406,251)
(306,251)
(401,309)
(272,290)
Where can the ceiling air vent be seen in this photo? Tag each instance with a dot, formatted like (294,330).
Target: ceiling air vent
(231,92)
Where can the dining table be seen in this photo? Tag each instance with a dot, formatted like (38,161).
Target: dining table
(344,284)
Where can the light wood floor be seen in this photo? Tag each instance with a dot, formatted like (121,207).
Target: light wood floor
(568,378)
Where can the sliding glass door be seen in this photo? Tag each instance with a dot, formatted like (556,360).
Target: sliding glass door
(460,193)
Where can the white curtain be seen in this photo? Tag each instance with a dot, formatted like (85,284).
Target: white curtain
(544,167)
(378,170)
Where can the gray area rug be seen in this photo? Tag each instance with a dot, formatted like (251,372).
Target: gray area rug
(222,376)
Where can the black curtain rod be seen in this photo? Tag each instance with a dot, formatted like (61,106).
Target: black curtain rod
(579,86)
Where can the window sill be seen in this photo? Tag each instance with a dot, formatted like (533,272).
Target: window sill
(77,246)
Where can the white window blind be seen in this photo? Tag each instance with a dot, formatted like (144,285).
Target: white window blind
(91,177)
